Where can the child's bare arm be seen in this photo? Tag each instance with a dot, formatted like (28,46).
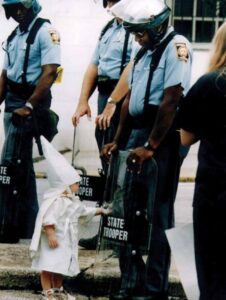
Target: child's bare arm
(51,235)
(103,211)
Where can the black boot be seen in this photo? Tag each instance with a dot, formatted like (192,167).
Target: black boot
(122,294)
(158,296)
(90,243)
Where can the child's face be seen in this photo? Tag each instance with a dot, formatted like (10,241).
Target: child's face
(74,187)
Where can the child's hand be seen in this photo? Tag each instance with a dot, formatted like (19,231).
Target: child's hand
(106,211)
(53,242)
(51,235)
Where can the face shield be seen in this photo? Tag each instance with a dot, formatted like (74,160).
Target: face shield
(29,4)
(105,2)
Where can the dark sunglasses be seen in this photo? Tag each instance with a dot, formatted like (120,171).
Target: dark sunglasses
(138,34)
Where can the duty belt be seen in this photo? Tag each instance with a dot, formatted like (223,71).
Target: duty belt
(19,88)
(105,84)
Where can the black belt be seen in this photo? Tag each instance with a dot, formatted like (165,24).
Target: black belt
(105,84)
(147,118)
(19,88)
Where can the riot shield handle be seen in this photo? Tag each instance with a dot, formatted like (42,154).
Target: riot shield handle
(37,134)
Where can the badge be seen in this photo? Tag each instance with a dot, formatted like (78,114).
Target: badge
(55,37)
(182,51)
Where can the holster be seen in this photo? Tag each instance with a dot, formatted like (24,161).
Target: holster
(22,90)
(105,84)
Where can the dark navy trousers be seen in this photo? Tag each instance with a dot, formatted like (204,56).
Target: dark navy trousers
(152,277)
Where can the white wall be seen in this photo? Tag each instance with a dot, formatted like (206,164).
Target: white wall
(79,23)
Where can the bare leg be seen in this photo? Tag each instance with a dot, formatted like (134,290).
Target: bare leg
(46,280)
(57,280)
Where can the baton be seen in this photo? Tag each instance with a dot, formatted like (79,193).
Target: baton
(37,134)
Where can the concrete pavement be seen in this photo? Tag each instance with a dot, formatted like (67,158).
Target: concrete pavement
(97,276)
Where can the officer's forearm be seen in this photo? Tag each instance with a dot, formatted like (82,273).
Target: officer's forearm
(122,86)
(124,127)
(45,82)
(165,116)
(162,124)
(2,86)
(89,83)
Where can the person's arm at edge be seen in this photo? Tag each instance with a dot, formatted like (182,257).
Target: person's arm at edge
(88,86)
(2,86)
(187,138)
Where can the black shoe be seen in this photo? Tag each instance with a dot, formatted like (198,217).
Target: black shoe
(143,298)
(159,296)
(89,244)
(121,295)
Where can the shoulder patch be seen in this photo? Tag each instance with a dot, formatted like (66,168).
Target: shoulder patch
(55,37)
(182,51)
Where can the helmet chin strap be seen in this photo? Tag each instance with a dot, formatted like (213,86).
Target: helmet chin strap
(155,36)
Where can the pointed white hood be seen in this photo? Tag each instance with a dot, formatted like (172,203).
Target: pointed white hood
(60,173)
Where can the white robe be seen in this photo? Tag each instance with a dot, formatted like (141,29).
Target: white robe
(64,212)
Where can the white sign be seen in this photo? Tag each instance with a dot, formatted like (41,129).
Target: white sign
(181,242)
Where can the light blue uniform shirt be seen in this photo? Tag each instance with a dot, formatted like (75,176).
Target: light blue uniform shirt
(171,71)
(108,53)
(45,50)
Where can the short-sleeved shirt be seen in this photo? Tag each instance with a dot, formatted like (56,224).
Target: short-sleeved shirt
(173,69)
(45,50)
(203,110)
(203,113)
(108,53)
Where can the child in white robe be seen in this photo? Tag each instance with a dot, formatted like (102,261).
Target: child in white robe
(53,248)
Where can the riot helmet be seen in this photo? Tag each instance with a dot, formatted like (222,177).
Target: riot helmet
(151,16)
(32,5)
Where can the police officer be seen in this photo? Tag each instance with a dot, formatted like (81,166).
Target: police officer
(112,54)
(160,77)
(25,84)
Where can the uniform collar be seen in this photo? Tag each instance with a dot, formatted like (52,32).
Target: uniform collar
(168,31)
(116,24)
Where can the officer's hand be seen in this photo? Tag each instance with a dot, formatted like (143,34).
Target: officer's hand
(23,111)
(136,158)
(104,119)
(81,110)
(19,115)
(107,150)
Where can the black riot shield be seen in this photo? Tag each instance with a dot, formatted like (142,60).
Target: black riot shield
(10,205)
(125,233)
(18,200)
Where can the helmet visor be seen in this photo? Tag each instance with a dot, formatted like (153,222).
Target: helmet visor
(10,10)
(105,2)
